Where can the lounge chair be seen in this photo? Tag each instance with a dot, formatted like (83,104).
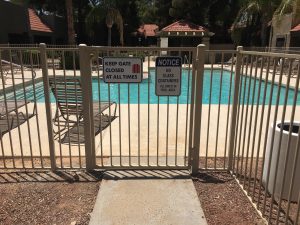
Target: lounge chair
(69,113)
(11,117)
(9,68)
(285,63)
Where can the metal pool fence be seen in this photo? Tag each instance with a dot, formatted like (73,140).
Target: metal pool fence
(265,141)
(238,112)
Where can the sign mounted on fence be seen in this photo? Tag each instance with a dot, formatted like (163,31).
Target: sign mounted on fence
(122,70)
(168,76)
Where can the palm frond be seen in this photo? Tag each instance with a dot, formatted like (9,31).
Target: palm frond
(288,7)
(246,13)
(285,7)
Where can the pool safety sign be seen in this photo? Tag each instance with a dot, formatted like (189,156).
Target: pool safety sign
(168,76)
(122,70)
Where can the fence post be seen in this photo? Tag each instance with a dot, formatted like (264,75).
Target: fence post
(48,104)
(86,82)
(198,106)
(235,104)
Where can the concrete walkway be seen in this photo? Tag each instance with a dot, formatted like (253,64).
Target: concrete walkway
(147,201)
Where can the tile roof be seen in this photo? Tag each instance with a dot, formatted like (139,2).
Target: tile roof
(296,28)
(183,25)
(149,30)
(36,24)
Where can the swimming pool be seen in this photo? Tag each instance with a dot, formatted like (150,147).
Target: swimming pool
(212,95)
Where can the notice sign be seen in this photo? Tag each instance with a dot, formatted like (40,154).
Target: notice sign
(122,70)
(168,76)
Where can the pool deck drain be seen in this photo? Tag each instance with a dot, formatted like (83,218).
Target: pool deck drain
(147,201)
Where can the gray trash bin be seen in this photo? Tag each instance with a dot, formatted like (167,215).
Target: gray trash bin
(282,150)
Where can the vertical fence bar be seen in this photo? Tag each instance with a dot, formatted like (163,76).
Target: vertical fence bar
(212,57)
(192,111)
(247,132)
(58,121)
(234,105)
(15,103)
(48,104)
(76,100)
(63,58)
(85,72)
(219,107)
(244,113)
(262,113)
(99,108)
(198,106)
(236,152)
(255,123)
(228,110)
(148,113)
(35,108)
(187,106)
(26,108)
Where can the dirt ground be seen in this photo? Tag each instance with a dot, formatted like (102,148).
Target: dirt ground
(223,201)
(47,198)
(44,197)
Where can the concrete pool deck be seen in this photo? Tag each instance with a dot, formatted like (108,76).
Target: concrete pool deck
(111,144)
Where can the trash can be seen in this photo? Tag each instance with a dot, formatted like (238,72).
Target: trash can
(282,150)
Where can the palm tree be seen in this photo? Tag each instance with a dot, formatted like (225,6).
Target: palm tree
(257,9)
(70,22)
(112,16)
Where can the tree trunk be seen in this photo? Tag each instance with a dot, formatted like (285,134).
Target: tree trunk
(109,36)
(263,34)
(70,23)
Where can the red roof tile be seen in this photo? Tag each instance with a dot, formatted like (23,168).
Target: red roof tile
(148,30)
(296,28)
(35,22)
(183,25)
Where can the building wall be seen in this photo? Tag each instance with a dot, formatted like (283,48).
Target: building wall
(281,31)
(13,22)
(15,27)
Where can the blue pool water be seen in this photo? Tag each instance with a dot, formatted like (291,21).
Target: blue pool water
(212,95)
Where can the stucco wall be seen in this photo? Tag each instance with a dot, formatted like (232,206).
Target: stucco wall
(281,29)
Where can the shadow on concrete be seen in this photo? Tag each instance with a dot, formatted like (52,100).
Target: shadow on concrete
(146,174)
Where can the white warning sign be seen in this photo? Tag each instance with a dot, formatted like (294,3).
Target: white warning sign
(168,76)
(122,70)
